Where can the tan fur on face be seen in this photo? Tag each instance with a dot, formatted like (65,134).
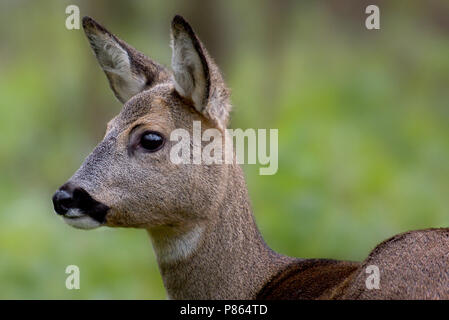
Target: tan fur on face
(149,201)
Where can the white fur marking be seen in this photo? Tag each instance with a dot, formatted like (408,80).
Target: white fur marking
(179,247)
(78,220)
(74,213)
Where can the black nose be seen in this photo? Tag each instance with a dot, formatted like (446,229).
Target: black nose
(62,201)
(70,196)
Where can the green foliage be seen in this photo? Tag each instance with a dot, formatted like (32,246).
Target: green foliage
(362,118)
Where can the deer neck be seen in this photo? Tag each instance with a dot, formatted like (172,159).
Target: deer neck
(220,258)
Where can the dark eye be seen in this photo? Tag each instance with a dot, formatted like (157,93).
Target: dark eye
(151,141)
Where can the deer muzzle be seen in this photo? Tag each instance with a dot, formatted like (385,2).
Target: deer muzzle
(78,208)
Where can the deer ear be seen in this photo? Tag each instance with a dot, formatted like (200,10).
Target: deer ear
(129,71)
(195,74)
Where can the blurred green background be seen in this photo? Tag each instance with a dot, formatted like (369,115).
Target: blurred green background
(362,118)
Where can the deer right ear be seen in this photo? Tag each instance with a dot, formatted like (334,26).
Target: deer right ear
(196,76)
(129,71)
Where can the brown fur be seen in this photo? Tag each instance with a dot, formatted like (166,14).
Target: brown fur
(413,265)
(199,217)
(308,279)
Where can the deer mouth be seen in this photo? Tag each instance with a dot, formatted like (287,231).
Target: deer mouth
(78,208)
(79,220)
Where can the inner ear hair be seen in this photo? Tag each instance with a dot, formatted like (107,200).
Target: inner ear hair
(189,63)
(196,76)
(129,71)
(111,55)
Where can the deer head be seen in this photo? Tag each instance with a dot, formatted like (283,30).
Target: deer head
(198,215)
(128,180)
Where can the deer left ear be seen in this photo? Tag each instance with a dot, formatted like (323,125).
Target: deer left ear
(128,70)
(196,76)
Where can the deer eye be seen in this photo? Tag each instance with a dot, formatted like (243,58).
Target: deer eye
(151,141)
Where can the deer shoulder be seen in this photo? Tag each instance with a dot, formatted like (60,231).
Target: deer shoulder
(409,265)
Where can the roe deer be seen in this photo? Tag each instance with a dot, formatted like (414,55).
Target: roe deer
(199,217)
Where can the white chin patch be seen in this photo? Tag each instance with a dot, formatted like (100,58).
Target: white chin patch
(79,220)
